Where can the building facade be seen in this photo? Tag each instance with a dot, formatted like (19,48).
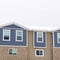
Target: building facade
(56,45)
(20,43)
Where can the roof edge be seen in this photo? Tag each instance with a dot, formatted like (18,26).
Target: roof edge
(2,25)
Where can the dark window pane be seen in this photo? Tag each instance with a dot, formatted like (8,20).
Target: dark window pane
(19,38)
(59,39)
(14,53)
(40,53)
(10,51)
(37,52)
(39,39)
(6,37)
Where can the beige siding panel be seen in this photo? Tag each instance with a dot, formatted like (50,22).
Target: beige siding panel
(21,53)
(56,53)
(48,51)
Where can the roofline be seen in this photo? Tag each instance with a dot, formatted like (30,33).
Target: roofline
(43,30)
(2,25)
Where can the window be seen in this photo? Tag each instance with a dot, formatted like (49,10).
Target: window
(12,51)
(6,35)
(58,37)
(39,36)
(19,35)
(39,52)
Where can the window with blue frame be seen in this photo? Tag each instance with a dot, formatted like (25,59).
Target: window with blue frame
(19,35)
(58,37)
(39,36)
(6,35)
(39,52)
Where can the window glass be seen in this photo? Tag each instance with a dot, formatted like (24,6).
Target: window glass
(58,37)
(12,51)
(19,35)
(39,52)
(6,34)
(39,37)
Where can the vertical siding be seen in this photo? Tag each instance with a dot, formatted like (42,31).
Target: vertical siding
(56,53)
(56,49)
(21,53)
(48,51)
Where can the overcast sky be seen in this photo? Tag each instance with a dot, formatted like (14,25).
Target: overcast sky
(31,12)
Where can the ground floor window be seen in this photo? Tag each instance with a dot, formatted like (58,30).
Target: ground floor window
(12,51)
(39,52)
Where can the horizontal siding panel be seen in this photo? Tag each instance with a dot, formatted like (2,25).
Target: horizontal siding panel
(13,37)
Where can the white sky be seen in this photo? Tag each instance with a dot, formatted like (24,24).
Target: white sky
(42,13)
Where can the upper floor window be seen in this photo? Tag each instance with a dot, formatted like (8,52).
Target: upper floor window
(6,35)
(19,35)
(58,37)
(39,52)
(40,37)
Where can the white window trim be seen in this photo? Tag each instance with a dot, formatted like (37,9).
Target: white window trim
(53,39)
(22,36)
(12,48)
(3,35)
(39,55)
(42,38)
(57,38)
